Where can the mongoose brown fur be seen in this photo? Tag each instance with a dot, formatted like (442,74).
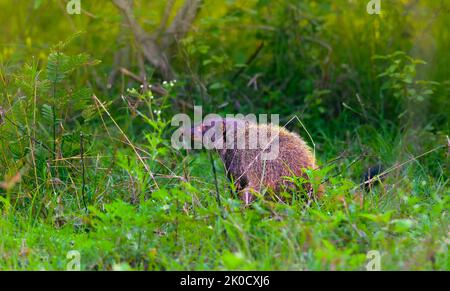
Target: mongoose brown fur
(246,168)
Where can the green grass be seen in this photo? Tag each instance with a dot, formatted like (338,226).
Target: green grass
(181,226)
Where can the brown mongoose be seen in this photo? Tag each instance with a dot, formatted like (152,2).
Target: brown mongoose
(246,166)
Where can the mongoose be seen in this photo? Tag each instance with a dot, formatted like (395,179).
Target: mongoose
(247,167)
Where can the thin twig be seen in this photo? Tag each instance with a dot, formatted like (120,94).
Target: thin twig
(127,139)
(398,166)
(250,60)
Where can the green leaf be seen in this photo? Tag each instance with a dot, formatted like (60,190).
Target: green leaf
(56,64)
(37,4)
(47,113)
(215,86)
(402,225)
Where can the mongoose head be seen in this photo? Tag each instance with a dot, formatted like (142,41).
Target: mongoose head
(212,126)
(215,128)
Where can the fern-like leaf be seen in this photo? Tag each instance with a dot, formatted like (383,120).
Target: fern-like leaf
(47,113)
(56,67)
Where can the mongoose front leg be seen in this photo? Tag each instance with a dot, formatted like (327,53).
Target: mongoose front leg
(247,194)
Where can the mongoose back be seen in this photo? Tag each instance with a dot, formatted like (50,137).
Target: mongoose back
(247,166)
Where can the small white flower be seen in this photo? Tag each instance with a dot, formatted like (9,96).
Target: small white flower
(164,83)
(150,85)
(142,86)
